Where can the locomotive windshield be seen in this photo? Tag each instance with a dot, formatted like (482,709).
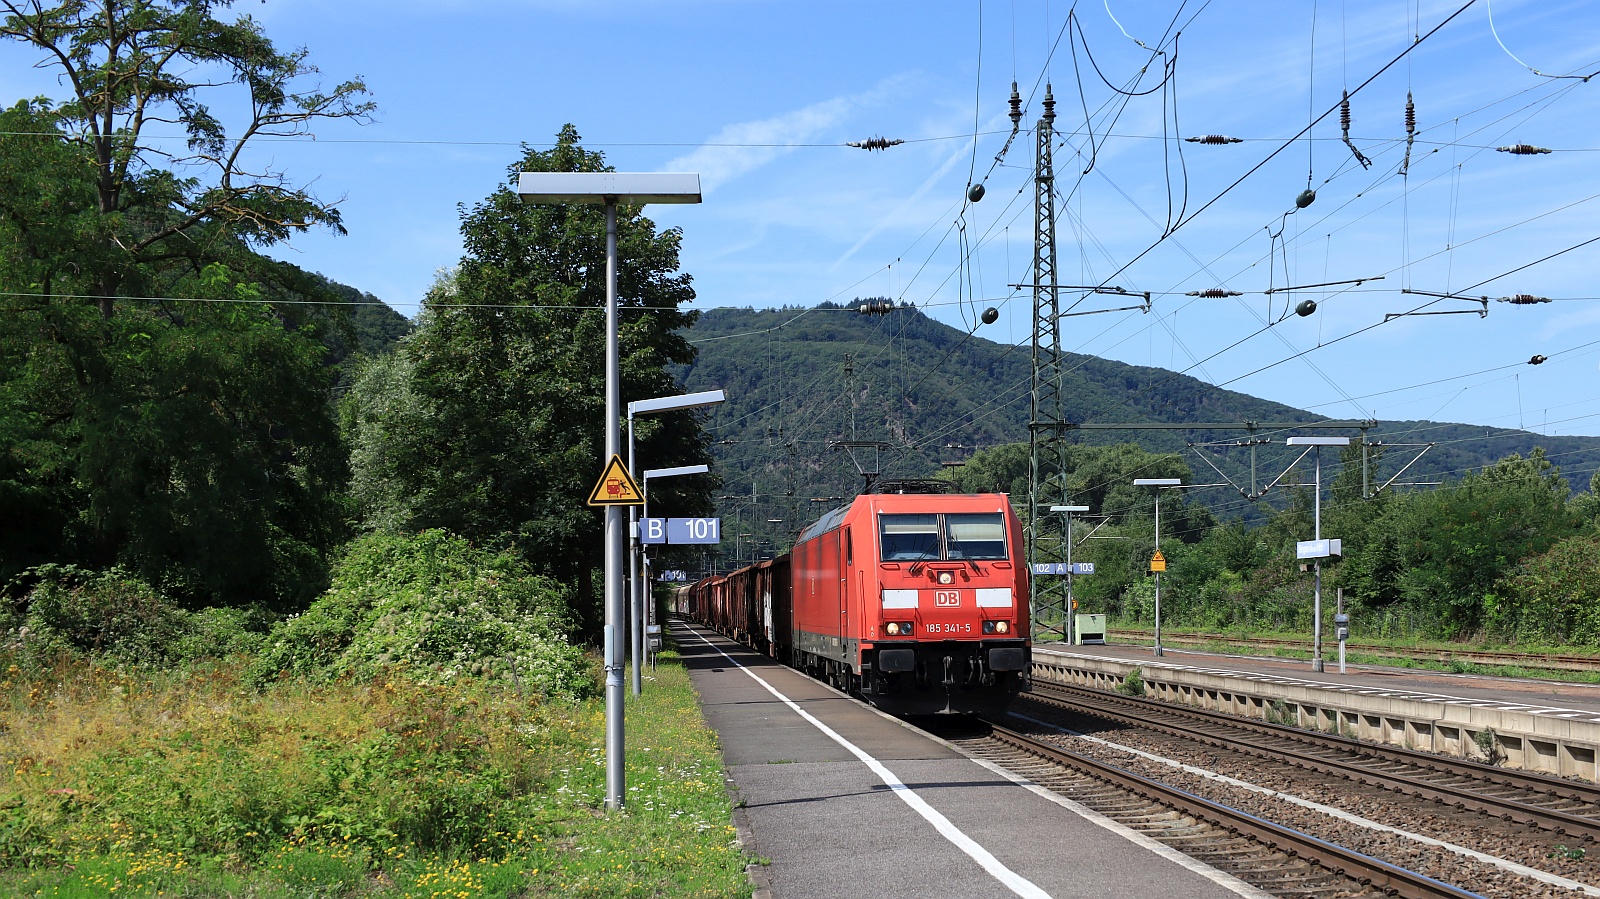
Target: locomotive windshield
(909,538)
(927,538)
(975,536)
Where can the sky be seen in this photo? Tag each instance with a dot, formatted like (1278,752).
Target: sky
(760,96)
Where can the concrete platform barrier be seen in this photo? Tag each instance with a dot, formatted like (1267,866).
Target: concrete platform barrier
(1484,730)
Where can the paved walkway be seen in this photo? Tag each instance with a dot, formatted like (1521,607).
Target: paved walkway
(847,802)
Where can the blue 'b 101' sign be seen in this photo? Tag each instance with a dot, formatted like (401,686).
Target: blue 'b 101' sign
(679,531)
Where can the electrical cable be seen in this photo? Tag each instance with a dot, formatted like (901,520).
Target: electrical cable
(1489,5)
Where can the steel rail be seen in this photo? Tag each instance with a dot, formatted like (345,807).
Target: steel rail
(1362,868)
(1556,820)
(1555,787)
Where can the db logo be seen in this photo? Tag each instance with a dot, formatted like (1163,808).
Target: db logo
(946,598)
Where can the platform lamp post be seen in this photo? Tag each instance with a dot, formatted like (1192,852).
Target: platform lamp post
(1072,604)
(609,189)
(636,589)
(1321,549)
(1160,484)
(641,576)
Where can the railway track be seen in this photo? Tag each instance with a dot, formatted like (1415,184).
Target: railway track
(1545,661)
(1271,857)
(1565,808)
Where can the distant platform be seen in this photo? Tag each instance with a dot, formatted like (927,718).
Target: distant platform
(1540,725)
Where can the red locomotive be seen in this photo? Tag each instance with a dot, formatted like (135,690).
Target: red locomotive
(916,602)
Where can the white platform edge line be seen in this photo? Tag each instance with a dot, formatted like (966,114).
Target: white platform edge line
(1503,864)
(1013,881)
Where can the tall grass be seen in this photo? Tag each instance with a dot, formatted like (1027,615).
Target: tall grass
(191,783)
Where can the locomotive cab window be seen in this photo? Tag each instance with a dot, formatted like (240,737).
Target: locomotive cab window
(931,538)
(975,536)
(909,538)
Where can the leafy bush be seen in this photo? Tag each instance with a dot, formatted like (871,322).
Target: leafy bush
(1553,597)
(116,618)
(1132,683)
(436,605)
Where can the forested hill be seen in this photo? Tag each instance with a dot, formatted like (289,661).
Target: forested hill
(934,395)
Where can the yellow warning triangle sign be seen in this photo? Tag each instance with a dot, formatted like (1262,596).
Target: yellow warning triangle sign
(1158,557)
(1158,562)
(615,487)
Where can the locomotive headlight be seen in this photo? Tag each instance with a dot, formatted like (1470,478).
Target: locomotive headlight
(945,578)
(898,628)
(997,627)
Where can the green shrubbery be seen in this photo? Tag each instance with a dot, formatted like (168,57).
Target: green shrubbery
(436,605)
(71,613)
(430,603)
(1552,598)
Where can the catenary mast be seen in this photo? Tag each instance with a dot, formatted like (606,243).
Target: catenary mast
(1047,599)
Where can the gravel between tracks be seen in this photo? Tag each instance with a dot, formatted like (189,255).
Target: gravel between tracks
(1491,836)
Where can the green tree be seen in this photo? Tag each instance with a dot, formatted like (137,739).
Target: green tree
(489,420)
(131,63)
(1454,544)
(997,469)
(1552,597)
(188,441)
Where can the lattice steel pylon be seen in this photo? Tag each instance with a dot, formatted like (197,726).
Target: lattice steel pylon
(1047,447)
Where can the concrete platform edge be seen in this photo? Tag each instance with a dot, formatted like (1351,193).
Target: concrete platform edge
(760,883)
(1517,739)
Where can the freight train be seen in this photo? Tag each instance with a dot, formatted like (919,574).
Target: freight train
(918,603)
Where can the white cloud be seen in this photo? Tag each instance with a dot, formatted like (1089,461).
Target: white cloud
(743,147)
(899,213)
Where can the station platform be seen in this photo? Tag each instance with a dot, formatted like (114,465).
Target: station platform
(1540,725)
(1554,698)
(846,801)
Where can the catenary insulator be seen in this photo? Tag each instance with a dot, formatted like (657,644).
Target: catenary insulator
(1306,198)
(1016,108)
(975,192)
(1305,308)
(1523,150)
(1537,360)
(875,307)
(1524,299)
(1344,130)
(991,315)
(874,143)
(1411,133)
(1212,293)
(1214,139)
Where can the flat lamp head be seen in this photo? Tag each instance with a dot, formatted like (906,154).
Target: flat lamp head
(673,403)
(608,187)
